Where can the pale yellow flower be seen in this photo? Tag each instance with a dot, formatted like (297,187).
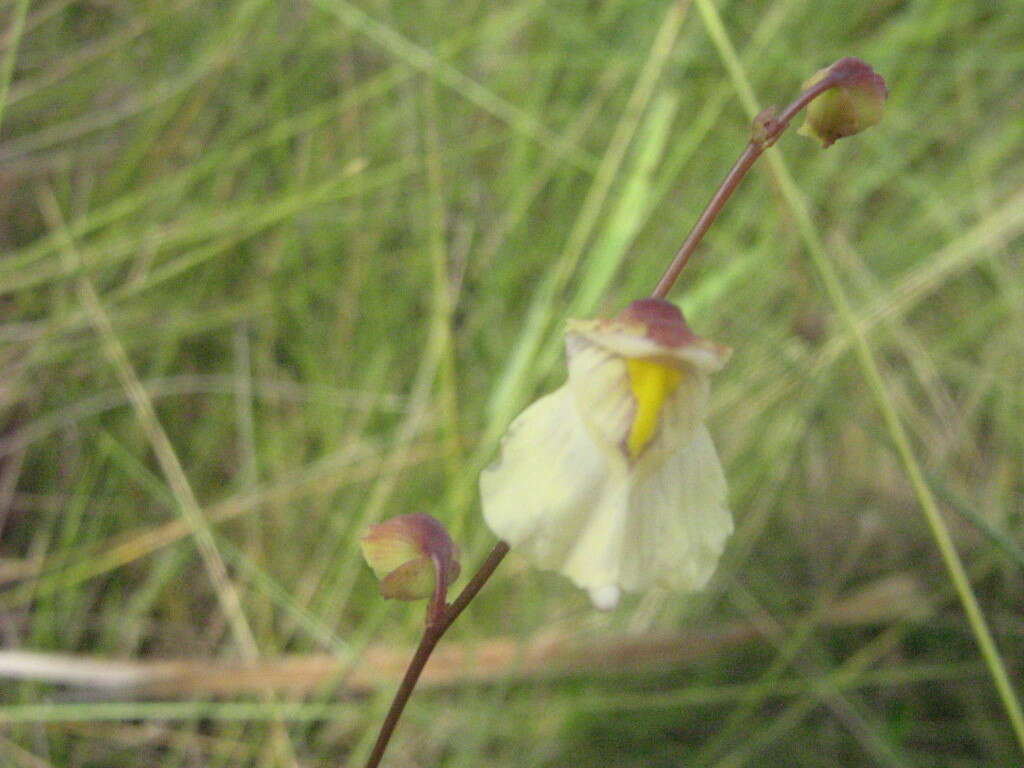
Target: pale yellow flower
(613,480)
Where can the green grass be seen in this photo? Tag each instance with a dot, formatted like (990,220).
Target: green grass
(335,242)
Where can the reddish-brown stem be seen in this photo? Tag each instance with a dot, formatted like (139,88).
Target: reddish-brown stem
(432,633)
(766,131)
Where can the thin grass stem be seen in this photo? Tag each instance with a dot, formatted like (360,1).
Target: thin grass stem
(14,34)
(869,366)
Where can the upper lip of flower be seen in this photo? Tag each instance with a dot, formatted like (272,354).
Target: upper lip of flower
(633,339)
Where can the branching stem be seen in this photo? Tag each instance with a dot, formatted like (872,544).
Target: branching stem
(765,132)
(432,633)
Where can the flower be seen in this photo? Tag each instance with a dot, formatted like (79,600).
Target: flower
(408,554)
(613,480)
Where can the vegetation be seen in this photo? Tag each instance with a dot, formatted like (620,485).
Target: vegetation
(273,272)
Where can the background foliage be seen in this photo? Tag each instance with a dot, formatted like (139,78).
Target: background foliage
(335,241)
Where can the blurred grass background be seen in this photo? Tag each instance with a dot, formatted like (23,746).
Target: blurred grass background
(274,270)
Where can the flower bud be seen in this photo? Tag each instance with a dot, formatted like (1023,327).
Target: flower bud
(409,553)
(855,103)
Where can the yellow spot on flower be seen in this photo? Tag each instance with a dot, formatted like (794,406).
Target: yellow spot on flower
(652,383)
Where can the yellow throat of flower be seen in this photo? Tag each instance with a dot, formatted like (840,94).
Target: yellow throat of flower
(652,383)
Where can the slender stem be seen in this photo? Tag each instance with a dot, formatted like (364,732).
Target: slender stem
(766,131)
(475,584)
(432,633)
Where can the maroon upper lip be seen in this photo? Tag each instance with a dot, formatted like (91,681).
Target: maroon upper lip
(663,322)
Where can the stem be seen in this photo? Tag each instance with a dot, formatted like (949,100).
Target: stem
(766,131)
(432,633)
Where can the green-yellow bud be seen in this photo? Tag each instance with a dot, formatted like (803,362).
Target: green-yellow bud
(408,554)
(856,102)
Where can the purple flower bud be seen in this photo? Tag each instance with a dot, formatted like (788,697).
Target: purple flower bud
(410,554)
(854,103)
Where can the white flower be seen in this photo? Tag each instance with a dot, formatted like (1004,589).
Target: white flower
(613,480)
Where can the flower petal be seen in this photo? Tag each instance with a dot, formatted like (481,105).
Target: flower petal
(541,491)
(605,598)
(684,411)
(594,561)
(600,386)
(678,519)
